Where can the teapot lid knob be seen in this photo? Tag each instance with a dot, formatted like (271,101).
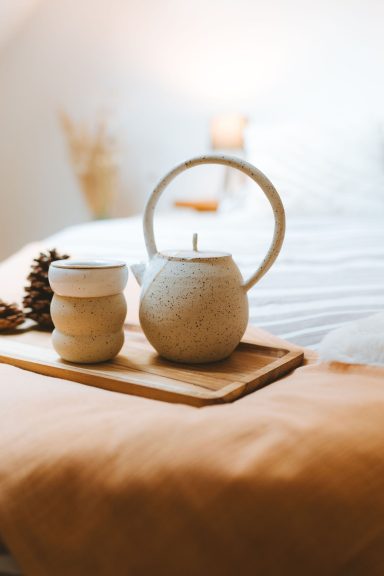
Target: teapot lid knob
(194,242)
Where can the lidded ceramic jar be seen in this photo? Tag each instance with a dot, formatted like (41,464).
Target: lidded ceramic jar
(88,309)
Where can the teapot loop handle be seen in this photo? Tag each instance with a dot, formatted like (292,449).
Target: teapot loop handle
(249,170)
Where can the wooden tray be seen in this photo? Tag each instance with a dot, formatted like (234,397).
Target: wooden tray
(140,371)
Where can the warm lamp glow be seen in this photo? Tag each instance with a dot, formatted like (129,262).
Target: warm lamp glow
(227,132)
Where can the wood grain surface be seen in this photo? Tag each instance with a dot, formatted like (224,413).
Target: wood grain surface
(140,371)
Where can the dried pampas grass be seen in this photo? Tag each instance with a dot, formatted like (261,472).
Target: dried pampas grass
(93,157)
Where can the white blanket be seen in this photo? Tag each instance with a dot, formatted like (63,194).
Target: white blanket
(360,342)
(330,271)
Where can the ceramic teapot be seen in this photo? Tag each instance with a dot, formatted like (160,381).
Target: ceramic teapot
(194,305)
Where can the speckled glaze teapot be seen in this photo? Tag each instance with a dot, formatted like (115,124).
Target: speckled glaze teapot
(194,305)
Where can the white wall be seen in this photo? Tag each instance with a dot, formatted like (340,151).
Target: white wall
(163,67)
(13,14)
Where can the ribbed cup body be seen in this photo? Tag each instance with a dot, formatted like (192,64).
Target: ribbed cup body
(88,330)
(88,309)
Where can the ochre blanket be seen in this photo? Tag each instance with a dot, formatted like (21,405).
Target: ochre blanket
(288,480)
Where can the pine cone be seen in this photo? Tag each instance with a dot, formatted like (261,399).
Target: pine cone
(37,299)
(10,316)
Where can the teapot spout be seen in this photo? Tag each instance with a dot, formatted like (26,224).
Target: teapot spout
(138,272)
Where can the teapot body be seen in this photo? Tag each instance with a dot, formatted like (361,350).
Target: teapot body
(193,311)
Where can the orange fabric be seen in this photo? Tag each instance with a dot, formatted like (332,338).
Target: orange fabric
(288,480)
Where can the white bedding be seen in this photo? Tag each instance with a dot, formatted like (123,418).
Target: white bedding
(330,271)
(358,342)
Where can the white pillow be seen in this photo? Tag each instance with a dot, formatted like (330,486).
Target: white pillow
(359,342)
(322,168)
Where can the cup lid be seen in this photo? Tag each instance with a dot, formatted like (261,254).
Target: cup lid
(87,278)
(87,264)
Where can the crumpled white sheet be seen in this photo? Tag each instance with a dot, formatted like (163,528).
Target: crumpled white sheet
(359,342)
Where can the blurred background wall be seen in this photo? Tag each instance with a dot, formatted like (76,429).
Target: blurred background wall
(158,70)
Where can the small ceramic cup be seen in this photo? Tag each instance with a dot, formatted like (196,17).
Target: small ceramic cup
(88,309)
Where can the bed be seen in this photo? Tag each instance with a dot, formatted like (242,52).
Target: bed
(330,270)
(288,480)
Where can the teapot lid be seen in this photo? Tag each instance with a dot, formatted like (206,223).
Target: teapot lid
(193,255)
